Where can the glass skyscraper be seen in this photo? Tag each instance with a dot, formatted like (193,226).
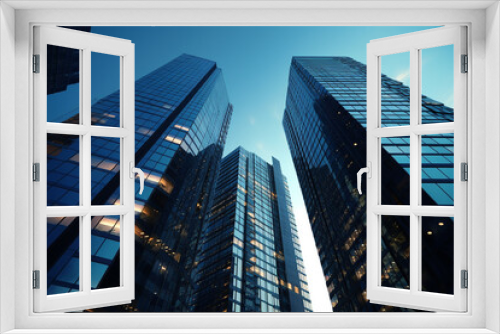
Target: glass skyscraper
(325,126)
(182,115)
(250,258)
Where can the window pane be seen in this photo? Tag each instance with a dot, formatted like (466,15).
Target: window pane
(63,255)
(437,84)
(63,170)
(395,170)
(437,169)
(395,91)
(63,84)
(437,254)
(105,270)
(105,170)
(105,83)
(395,251)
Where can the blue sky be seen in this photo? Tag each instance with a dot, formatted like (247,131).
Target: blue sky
(255,62)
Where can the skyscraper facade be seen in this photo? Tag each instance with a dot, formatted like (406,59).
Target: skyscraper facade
(325,126)
(182,115)
(250,258)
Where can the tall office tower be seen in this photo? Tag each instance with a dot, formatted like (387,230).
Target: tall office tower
(325,121)
(182,115)
(250,257)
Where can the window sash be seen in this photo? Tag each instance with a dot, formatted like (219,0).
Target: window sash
(414,297)
(86,297)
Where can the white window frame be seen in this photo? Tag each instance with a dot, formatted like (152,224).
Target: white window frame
(413,43)
(85,43)
(483,122)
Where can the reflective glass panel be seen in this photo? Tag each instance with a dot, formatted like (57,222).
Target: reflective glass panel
(437,254)
(437,169)
(63,170)
(105,170)
(63,84)
(105,270)
(395,170)
(105,84)
(395,244)
(395,91)
(63,267)
(437,84)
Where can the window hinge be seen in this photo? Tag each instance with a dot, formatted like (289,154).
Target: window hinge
(36,63)
(464,171)
(36,172)
(465,279)
(465,64)
(36,279)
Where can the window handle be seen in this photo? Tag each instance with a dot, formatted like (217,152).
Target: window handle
(368,171)
(134,171)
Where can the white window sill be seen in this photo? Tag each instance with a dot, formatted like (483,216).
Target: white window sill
(250,331)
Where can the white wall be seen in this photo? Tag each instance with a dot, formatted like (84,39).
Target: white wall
(7,157)
(492,164)
(486,101)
